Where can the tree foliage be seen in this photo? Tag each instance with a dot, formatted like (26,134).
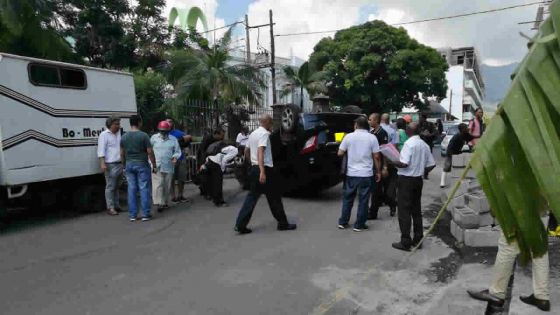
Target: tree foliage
(31,28)
(305,78)
(379,68)
(151,90)
(517,161)
(205,74)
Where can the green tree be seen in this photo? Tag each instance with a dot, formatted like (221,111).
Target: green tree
(31,28)
(207,74)
(149,32)
(379,68)
(151,89)
(305,78)
(99,29)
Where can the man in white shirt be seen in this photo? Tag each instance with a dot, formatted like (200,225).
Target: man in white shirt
(362,149)
(216,166)
(262,180)
(416,160)
(109,153)
(242,137)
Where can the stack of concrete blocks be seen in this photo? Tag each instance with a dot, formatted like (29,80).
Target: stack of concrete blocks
(472,223)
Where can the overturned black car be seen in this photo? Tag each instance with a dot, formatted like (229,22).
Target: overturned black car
(304,149)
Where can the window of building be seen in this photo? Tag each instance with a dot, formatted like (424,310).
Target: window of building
(56,76)
(460,60)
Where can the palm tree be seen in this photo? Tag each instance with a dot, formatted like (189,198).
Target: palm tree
(207,74)
(304,78)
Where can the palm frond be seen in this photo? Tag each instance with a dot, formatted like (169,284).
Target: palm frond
(517,161)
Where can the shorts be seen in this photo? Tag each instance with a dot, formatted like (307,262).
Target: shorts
(180,173)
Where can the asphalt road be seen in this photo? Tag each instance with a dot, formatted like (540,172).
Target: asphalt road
(188,260)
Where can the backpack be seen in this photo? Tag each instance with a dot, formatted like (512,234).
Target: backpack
(215,148)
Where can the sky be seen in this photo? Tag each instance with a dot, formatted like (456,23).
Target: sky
(495,35)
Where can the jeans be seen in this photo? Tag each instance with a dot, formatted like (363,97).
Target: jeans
(353,186)
(112,180)
(410,209)
(139,178)
(256,189)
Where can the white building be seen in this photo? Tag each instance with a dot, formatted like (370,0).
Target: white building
(263,61)
(465,84)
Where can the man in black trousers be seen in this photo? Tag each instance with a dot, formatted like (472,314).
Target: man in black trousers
(262,180)
(378,194)
(416,160)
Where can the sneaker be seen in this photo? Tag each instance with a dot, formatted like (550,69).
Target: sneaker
(287,227)
(132,219)
(148,218)
(343,226)
(242,231)
(361,228)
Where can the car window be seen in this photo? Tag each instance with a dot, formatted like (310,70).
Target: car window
(452,130)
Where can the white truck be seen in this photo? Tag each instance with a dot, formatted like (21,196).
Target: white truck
(51,114)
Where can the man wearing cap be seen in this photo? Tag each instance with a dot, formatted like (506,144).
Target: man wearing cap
(109,153)
(167,151)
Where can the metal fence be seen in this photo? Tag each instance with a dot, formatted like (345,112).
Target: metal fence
(200,118)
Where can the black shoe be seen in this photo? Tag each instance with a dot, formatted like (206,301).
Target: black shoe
(543,305)
(393,211)
(222,205)
(400,246)
(287,227)
(343,226)
(242,231)
(361,228)
(486,296)
(414,244)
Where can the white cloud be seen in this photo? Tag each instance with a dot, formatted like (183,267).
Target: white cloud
(495,35)
(209,8)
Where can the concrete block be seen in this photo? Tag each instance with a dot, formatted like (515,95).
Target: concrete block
(482,237)
(478,203)
(474,186)
(485,219)
(466,218)
(457,232)
(459,202)
(459,161)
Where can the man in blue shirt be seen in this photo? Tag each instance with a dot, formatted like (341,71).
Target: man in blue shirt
(180,172)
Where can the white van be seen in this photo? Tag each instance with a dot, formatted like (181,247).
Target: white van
(51,114)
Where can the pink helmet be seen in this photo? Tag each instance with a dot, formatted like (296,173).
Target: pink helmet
(164,126)
(407,118)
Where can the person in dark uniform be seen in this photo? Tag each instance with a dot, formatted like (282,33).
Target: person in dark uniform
(207,140)
(378,195)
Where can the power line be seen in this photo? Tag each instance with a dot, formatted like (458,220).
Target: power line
(221,28)
(430,20)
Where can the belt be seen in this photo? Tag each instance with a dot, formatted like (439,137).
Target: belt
(118,162)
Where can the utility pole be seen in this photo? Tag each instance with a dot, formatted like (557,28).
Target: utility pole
(272,57)
(247,40)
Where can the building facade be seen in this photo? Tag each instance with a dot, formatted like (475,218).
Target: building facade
(466,88)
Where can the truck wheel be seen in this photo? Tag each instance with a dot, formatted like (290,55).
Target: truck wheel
(290,117)
(89,198)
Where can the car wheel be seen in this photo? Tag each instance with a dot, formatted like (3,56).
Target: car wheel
(290,116)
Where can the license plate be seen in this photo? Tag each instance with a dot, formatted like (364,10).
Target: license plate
(339,136)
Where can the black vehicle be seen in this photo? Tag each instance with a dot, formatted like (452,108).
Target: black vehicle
(305,147)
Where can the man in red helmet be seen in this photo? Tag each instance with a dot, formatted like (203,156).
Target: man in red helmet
(167,151)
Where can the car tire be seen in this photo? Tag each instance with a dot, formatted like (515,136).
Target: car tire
(352,109)
(289,118)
